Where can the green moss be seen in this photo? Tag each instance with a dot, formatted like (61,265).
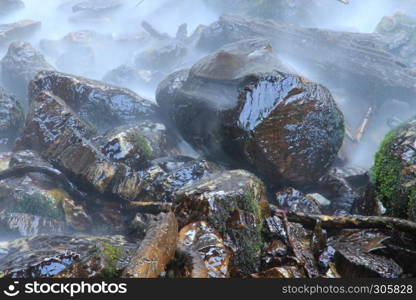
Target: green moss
(111,255)
(39,205)
(144,147)
(398,198)
(247,239)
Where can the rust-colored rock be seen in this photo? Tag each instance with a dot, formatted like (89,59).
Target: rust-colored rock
(156,250)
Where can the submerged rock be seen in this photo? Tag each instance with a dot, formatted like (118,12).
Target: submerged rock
(235,204)
(394,172)
(286,127)
(56,256)
(103,105)
(11,119)
(20,65)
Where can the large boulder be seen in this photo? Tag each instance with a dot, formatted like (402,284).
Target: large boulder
(11,119)
(394,172)
(287,128)
(20,65)
(101,104)
(57,133)
(235,204)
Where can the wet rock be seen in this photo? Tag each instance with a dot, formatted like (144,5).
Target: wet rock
(301,240)
(156,250)
(285,127)
(354,256)
(377,67)
(167,175)
(22,224)
(235,204)
(344,187)
(10,6)
(57,256)
(20,65)
(33,199)
(11,119)
(394,172)
(103,105)
(55,132)
(137,146)
(296,201)
(208,243)
(18,30)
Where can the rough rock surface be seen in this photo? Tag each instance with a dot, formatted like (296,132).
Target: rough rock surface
(103,105)
(235,204)
(56,132)
(20,65)
(281,124)
(57,256)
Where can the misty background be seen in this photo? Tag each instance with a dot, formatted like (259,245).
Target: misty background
(118,39)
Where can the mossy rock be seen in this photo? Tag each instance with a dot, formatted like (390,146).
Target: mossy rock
(235,204)
(394,172)
(39,204)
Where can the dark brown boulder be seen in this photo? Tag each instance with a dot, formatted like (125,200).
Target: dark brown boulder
(284,126)
(56,132)
(106,106)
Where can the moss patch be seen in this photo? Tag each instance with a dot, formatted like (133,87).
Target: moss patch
(144,147)
(246,237)
(111,254)
(398,197)
(39,205)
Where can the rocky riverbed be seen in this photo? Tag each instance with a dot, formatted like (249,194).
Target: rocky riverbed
(137,141)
